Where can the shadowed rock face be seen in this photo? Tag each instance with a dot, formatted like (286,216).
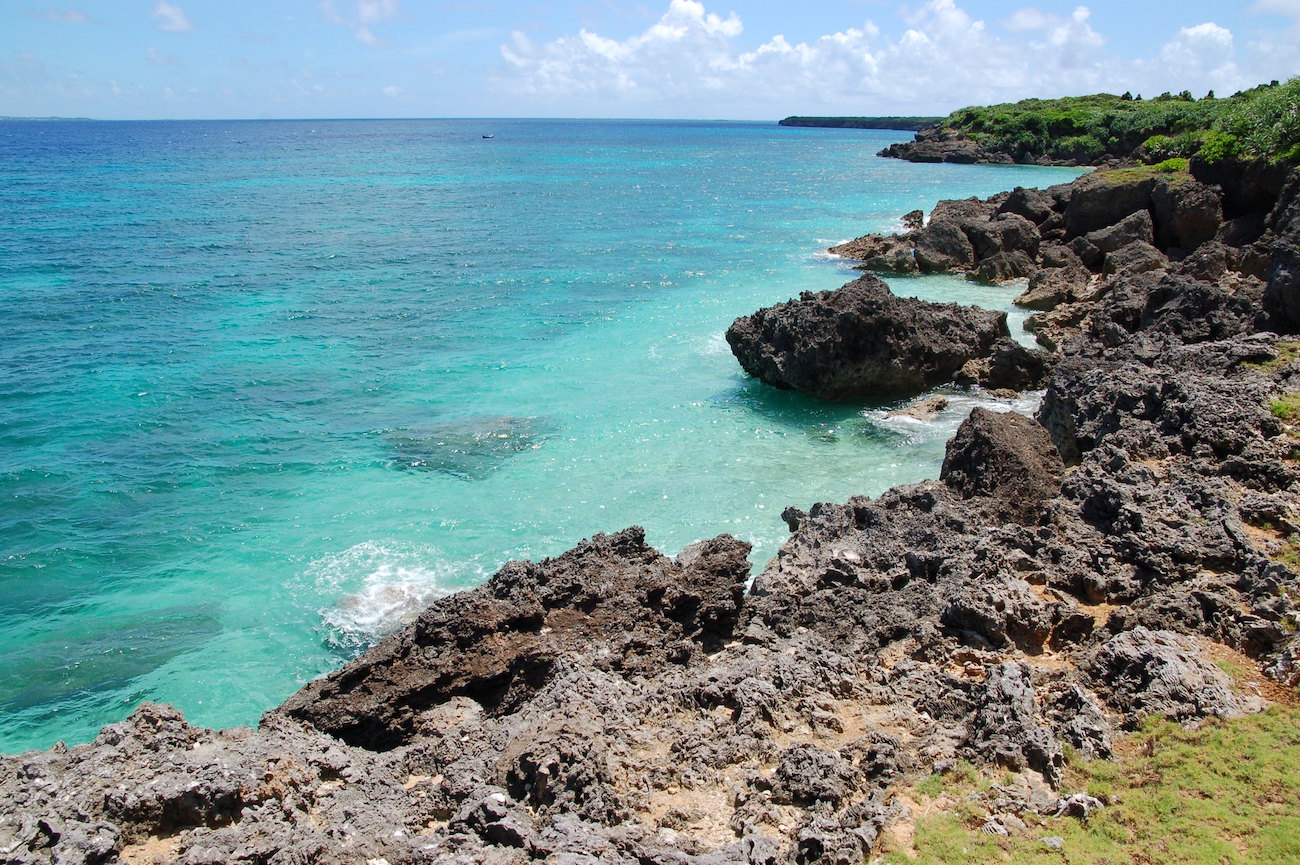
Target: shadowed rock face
(861,341)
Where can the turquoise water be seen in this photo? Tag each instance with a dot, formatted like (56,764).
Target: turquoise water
(267,387)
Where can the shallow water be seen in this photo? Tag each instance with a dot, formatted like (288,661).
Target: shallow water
(268,387)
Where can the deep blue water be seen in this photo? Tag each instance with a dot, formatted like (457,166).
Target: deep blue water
(266,387)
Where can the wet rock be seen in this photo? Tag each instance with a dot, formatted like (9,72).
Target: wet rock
(1003,233)
(1004,267)
(1049,287)
(938,145)
(470,449)
(887,253)
(922,409)
(860,341)
(943,246)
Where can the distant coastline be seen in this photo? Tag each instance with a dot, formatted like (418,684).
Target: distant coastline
(6,118)
(903,124)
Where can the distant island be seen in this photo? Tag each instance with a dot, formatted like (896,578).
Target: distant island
(904,124)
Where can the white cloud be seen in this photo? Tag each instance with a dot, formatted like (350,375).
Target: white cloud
(692,62)
(364,14)
(171,18)
(1200,58)
(1023,20)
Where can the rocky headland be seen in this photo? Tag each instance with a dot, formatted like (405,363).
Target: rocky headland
(1067,576)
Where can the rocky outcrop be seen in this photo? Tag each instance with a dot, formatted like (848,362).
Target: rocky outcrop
(620,602)
(861,341)
(935,144)
(1189,245)
(1009,366)
(1070,242)
(1067,576)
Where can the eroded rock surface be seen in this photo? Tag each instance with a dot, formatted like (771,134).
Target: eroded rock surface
(861,340)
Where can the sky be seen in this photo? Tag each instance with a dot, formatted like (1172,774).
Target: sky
(724,59)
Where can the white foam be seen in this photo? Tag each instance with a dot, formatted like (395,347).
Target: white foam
(942,424)
(715,345)
(374,588)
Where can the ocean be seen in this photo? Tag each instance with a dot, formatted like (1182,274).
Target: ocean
(268,387)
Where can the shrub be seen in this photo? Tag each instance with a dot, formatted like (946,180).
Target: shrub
(1262,123)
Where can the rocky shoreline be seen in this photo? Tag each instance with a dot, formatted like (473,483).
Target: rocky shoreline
(1065,577)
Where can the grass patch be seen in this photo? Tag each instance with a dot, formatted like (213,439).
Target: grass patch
(1289,555)
(1138,173)
(1287,352)
(1286,407)
(1225,794)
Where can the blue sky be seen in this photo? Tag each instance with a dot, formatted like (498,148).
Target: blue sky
(736,59)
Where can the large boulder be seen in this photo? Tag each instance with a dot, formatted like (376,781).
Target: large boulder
(943,245)
(1134,228)
(1011,366)
(1101,199)
(861,341)
(1142,672)
(1187,213)
(1005,459)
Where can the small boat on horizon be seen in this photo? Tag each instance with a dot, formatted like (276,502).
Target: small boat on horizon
(489,135)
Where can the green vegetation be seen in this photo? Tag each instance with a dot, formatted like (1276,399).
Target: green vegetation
(1289,555)
(1286,407)
(1138,173)
(1227,793)
(905,124)
(1258,124)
